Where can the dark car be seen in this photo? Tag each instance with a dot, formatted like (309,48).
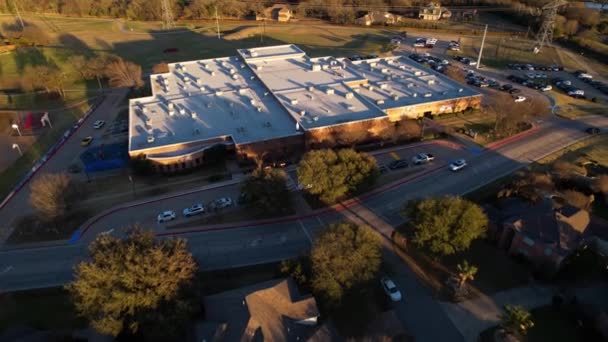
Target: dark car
(370,56)
(398,164)
(170,50)
(514,91)
(593,130)
(355,58)
(506,87)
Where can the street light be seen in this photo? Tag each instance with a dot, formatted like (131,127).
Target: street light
(16,147)
(132,185)
(15,126)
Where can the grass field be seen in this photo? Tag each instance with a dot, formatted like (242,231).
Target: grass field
(572,108)
(62,121)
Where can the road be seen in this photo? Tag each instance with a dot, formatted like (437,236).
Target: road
(253,244)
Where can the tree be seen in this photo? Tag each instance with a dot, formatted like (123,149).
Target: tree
(50,195)
(565,169)
(343,257)
(516,319)
(466,272)
(49,78)
(331,175)
(134,284)
(79,63)
(446,225)
(122,73)
(578,199)
(266,190)
(96,68)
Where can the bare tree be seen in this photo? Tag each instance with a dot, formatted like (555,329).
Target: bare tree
(49,195)
(79,63)
(96,68)
(122,73)
(48,78)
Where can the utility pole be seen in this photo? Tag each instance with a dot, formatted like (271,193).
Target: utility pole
(545,34)
(483,40)
(18,14)
(217,24)
(168,22)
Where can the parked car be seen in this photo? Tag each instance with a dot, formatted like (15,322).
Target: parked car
(221,203)
(546,88)
(98,124)
(390,289)
(398,164)
(165,216)
(423,158)
(593,130)
(514,91)
(196,209)
(86,141)
(457,165)
(520,99)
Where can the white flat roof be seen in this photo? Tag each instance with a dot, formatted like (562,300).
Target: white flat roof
(279,92)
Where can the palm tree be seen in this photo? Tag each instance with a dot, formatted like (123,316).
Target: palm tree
(516,319)
(466,272)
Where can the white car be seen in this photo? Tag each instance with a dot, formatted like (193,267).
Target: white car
(423,158)
(165,216)
(222,202)
(546,88)
(196,209)
(584,75)
(457,165)
(520,98)
(390,289)
(98,124)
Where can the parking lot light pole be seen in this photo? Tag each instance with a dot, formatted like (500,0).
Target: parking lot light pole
(16,127)
(16,147)
(132,185)
(483,40)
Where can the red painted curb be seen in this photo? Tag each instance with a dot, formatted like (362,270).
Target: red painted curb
(503,142)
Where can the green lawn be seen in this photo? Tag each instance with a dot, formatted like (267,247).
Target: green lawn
(10,176)
(42,309)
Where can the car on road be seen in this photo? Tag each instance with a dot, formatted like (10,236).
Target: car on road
(196,209)
(390,289)
(165,216)
(593,130)
(457,165)
(423,158)
(86,141)
(398,164)
(520,99)
(221,203)
(98,124)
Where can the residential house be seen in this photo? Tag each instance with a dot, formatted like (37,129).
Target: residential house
(378,18)
(543,233)
(434,11)
(279,12)
(269,311)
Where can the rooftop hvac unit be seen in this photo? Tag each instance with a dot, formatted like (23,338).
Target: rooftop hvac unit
(165,81)
(193,114)
(202,88)
(235,77)
(350,107)
(242,66)
(324,67)
(302,112)
(243,91)
(259,109)
(417,73)
(253,54)
(144,110)
(213,73)
(265,93)
(315,67)
(395,97)
(150,139)
(252,78)
(415,95)
(186,79)
(329,91)
(428,94)
(315,118)
(372,65)
(390,61)
(402,67)
(311,88)
(219,93)
(232,71)
(384,70)
(371,87)
(259,67)
(431,81)
(171,112)
(379,102)
(170,105)
(311,97)
(293,102)
(252,102)
(383,86)
(349,96)
(184,68)
(199,81)
(357,90)
(410,85)
(182,111)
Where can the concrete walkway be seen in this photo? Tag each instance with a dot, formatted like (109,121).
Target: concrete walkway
(474,316)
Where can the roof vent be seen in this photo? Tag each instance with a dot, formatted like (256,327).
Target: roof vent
(232,71)
(384,70)
(252,102)
(171,112)
(186,79)
(311,88)
(202,88)
(182,111)
(429,94)
(258,67)
(170,105)
(259,109)
(315,67)
(193,114)
(293,102)
(379,102)
(348,96)
(219,93)
(383,86)
(395,97)
(329,91)
(213,73)
(243,91)
(315,118)
(431,81)
(235,76)
(242,65)
(417,73)
(302,112)
(460,90)
(199,81)
(150,139)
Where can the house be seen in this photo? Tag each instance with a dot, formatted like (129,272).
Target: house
(378,18)
(434,11)
(543,233)
(279,12)
(269,311)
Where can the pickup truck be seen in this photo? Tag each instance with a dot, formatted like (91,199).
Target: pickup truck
(423,158)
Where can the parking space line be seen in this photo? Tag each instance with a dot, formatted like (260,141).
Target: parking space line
(305,231)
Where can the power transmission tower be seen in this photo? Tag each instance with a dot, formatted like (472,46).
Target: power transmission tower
(18,14)
(217,23)
(168,22)
(545,34)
